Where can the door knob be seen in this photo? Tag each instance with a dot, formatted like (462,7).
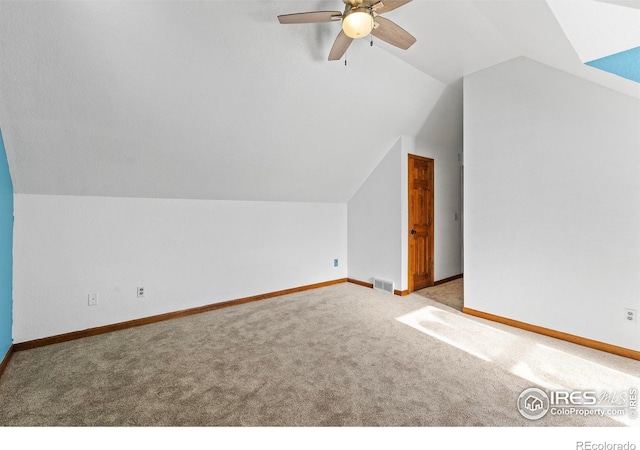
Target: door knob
(413,231)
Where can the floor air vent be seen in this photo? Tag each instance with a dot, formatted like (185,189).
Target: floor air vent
(383,285)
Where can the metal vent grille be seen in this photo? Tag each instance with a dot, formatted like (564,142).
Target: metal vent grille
(383,285)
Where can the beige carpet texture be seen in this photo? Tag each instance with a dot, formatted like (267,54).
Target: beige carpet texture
(343,355)
(450,294)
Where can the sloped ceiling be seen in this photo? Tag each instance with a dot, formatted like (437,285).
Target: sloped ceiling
(212,100)
(217,100)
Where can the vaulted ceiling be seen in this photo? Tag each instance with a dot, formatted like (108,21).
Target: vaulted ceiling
(217,100)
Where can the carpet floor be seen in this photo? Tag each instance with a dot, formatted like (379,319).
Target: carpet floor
(343,355)
(450,293)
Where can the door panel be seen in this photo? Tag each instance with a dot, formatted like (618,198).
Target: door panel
(420,222)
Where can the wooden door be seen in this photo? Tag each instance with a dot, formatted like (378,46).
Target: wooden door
(420,222)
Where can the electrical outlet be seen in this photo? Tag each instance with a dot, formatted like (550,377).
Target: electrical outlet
(93,299)
(140,291)
(631,315)
(335,262)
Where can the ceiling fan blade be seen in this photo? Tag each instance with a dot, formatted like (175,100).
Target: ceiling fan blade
(388,5)
(392,33)
(311,17)
(340,46)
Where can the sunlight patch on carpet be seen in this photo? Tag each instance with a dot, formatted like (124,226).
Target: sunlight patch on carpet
(431,321)
(520,354)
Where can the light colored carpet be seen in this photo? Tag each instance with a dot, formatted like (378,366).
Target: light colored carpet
(343,355)
(450,294)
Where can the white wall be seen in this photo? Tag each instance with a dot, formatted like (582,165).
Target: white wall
(378,213)
(186,253)
(441,139)
(552,201)
(375,221)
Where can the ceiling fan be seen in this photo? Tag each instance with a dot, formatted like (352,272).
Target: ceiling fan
(359,19)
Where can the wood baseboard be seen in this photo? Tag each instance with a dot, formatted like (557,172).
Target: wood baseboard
(602,346)
(446,280)
(370,286)
(161,317)
(5,360)
(406,291)
(360,283)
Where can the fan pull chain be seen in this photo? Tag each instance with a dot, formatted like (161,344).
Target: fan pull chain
(371,40)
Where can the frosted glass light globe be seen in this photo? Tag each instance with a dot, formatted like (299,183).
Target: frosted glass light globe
(357,24)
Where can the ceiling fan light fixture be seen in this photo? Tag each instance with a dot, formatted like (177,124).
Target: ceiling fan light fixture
(357,23)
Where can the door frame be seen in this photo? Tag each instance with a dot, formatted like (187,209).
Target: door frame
(430,255)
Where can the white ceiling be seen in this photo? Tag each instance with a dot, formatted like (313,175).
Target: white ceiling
(217,100)
(586,24)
